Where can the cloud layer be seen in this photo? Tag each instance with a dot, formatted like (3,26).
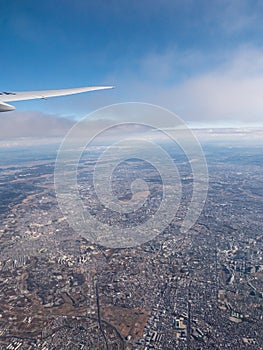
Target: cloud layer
(32,124)
(228,87)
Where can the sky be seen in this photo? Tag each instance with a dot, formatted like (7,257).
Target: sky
(201,59)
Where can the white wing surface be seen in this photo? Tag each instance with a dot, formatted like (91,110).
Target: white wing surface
(31,95)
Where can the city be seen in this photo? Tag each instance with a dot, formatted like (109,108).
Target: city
(200,290)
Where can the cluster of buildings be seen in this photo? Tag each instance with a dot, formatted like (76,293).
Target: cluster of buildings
(200,290)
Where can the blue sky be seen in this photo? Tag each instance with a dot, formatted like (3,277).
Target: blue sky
(201,59)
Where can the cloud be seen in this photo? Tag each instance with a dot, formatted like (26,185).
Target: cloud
(228,87)
(33,128)
(237,16)
(237,135)
(32,124)
(229,92)
(224,88)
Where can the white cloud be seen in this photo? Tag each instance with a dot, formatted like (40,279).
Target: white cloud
(233,91)
(230,89)
(32,124)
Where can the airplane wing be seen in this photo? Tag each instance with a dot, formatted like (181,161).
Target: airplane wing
(31,95)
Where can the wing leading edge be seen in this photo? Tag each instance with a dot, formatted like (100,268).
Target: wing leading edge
(31,95)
